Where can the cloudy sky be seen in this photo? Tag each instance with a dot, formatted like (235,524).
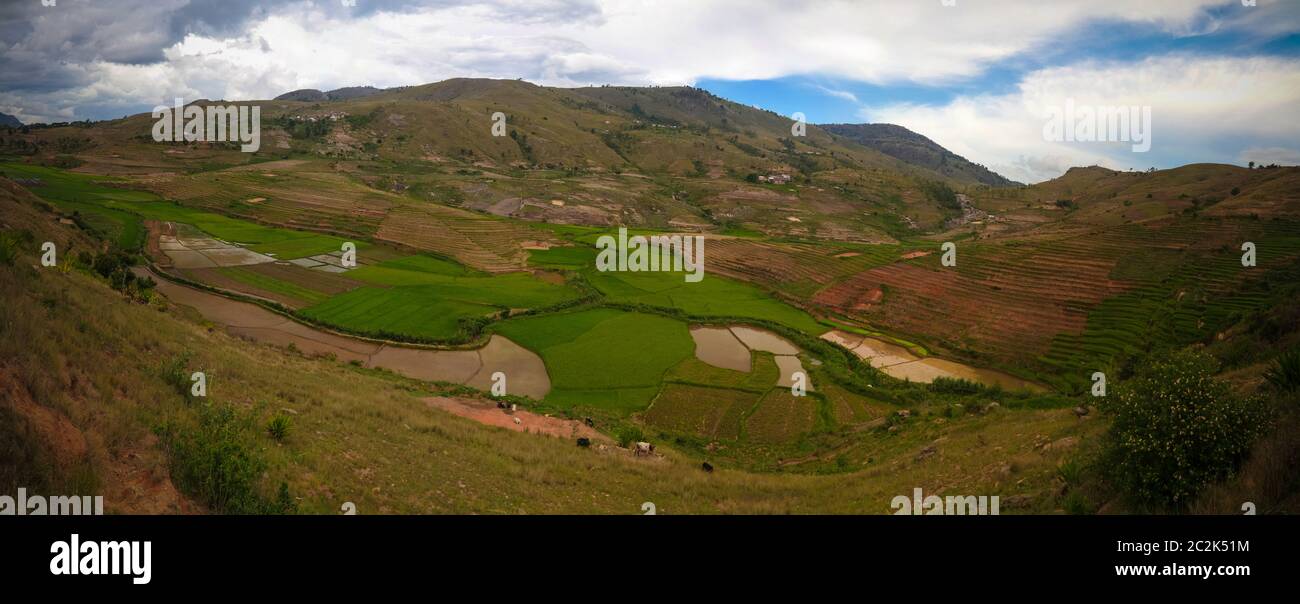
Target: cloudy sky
(1222,79)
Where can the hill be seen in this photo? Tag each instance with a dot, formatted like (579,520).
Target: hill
(661,157)
(311,95)
(915,149)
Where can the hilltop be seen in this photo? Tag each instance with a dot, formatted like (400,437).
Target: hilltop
(913,148)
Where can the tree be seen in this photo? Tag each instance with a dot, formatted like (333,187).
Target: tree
(1177,429)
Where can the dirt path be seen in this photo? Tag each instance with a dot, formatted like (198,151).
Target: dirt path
(487,413)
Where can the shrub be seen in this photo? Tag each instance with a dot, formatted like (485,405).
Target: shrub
(278,427)
(174,372)
(949,385)
(215,462)
(1284,374)
(626,435)
(1069,471)
(1076,504)
(284,502)
(1176,429)
(8,249)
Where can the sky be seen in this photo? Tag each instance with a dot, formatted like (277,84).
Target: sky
(1220,78)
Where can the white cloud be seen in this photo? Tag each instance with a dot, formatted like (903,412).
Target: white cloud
(1199,105)
(1203,109)
(577,42)
(1270,155)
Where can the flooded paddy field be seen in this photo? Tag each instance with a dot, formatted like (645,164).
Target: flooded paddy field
(899,362)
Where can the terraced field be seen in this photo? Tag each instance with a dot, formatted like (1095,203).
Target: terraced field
(293,195)
(714,413)
(484,243)
(781,418)
(1072,304)
(797,269)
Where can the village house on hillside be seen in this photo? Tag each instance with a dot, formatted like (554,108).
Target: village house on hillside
(776,179)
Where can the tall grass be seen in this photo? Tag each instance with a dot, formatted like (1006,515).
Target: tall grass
(1284,374)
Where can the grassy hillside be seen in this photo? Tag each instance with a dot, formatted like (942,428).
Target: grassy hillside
(367,437)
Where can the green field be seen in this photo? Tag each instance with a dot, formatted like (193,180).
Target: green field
(428,264)
(572,257)
(419,311)
(117,214)
(603,358)
(701,411)
(271,284)
(85,195)
(712,296)
(306,245)
(428,297)
(781,417)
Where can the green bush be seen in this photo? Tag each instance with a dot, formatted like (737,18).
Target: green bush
(1069,471)
(949,385)
(174,372)
(1176,429)
(8,249)
(278,427)
(1284,374)
(626,435)
(215,462)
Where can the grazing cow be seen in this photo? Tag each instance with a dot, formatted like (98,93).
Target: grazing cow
(708,467)
(584,442)
(590,422)
(517,421)
(643,448)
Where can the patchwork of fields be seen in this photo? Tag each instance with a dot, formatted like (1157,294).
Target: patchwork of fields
(1055,307)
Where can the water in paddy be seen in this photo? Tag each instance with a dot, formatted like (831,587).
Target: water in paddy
(899,362)
(719,347)
(525,373)
(732,347)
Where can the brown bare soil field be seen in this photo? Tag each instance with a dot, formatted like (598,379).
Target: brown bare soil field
(1012,299)
(314,201)
(1015,310)
(321,281)
(215,278)
(486,244)
(485,412)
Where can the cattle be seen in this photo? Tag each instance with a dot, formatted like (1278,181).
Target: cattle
(643,448)
(584,442)
(590,422)
(708,467)
(517,421)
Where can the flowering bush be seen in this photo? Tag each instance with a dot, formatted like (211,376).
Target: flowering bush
(1176,429)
